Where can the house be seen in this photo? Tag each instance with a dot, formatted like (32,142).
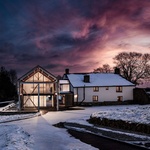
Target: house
(37,88)
(40,89)
(96,87)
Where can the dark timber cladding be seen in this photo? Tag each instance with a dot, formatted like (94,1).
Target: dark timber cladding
(37,88)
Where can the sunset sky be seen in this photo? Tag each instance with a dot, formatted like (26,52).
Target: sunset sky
(77,34)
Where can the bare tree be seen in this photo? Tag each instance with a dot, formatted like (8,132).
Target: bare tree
(133,66)
(104,69)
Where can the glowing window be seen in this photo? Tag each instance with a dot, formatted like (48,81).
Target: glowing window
(95,98)
(96,89)
(119,89)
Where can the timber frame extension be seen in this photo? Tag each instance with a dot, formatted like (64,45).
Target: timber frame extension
(36,88)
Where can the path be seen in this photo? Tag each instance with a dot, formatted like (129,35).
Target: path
(48,137)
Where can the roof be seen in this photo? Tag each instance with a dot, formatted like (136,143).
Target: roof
(98,79)
(63,82)
(35,70)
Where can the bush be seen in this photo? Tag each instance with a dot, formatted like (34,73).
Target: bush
(120,124)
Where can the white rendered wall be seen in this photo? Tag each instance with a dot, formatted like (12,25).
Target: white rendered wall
(103,94)
(78,94)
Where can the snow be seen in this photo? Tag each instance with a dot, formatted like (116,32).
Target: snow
(39,132)
(98,79)
(137,114)
(7,118)
(43,135)
(63,82)
(7,107)
(14,138)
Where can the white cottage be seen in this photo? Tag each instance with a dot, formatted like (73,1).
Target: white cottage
(98,87)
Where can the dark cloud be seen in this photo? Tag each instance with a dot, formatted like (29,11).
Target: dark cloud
(7,48)
(64,39)
(67,33)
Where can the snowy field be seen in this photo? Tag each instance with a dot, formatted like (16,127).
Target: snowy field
(135,114)
(38,133)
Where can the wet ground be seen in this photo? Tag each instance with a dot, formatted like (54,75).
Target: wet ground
(101,142)
(104,138)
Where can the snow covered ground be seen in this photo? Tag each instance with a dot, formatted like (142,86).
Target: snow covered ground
(8,118)
(136,114)
(13,137)
(7,107)
(38,133)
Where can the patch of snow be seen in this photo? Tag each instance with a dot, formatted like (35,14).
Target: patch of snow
(6,118)
(14,138)
(137,114)
(7,107)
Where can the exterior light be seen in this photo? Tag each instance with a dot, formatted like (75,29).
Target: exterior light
(75,96)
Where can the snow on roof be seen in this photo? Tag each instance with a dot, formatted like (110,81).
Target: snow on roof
(98,79)
(63,82)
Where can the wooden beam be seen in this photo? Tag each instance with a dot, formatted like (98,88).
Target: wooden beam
(57,91)
(36,82)
(31,101)
(36,94)
(38,97)
(19,96)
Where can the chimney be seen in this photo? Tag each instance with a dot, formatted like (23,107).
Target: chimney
(117,71)
(67,71)
(86,78)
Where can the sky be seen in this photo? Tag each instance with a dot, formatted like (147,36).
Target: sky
(81,35)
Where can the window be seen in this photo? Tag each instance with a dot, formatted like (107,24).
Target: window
(64,87)
(95,98)
(119,89)
(119,98)
(96,89)
(107,88)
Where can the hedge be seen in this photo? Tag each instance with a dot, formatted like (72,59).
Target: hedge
(120,124)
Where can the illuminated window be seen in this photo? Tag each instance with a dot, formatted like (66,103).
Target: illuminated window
(119,89)
(64,87)
(95,98)
(96,89)
(107,88)
(120,98)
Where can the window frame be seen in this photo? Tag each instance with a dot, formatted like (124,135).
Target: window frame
(107,87)
(95,89)
(120,98)
(95,98)
(119,89)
